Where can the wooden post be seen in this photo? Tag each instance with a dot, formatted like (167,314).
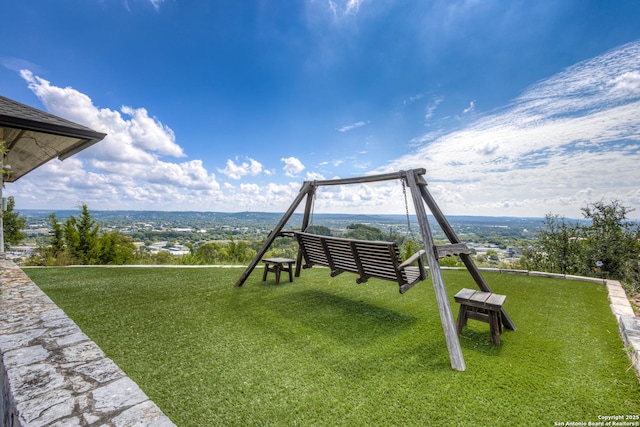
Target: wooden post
(466,258)
(275,232)
(311,194)
(448,326)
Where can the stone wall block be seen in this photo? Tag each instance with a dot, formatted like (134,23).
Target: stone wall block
(123,392)
(25,356)
(46,408)
(142,414)
(52,373)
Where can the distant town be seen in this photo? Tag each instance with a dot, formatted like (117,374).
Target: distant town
(499,238)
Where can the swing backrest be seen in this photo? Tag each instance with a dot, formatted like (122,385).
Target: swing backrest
(363,257)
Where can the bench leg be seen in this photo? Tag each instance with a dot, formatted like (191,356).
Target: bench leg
(462,318)
(277,267)
(290,272)
(264,274)
(495,326)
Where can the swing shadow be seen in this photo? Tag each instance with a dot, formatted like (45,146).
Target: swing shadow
(349,321)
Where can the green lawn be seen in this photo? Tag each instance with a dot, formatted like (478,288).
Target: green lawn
(326,351)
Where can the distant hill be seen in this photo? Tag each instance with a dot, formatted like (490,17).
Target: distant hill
(171,216)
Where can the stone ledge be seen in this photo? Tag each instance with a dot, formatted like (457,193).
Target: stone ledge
(628,322)
(545,274)
(52,373)
(585,279)
(511,271)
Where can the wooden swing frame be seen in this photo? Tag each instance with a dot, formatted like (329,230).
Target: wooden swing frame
(414,179)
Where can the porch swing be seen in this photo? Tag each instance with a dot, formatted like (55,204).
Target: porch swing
(367,258)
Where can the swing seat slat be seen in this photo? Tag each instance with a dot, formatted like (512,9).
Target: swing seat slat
(366,258)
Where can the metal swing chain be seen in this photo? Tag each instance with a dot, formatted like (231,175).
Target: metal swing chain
(409,233)
(406,205)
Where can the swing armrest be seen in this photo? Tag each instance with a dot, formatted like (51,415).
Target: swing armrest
(415,257)
(412,275)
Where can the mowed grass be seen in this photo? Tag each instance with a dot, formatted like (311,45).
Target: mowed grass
(326,351)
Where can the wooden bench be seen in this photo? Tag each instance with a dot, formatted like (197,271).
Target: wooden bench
(482,306)
(365,258)
(278,265)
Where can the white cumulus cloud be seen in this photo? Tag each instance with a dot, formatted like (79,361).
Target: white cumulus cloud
(237,170)
(128,140)
(126,170)
(292,166)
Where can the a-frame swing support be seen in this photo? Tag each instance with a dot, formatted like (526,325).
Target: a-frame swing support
(420,194)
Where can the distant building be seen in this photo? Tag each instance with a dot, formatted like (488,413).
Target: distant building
(514,251)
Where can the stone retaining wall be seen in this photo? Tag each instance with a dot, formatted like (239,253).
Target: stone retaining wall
(52,374)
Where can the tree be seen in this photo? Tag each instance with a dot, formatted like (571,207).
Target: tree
(163,257)
(56,236)
(492,255)
(13,224)
(81,236)
(610,239)
(557,248)
(318,229)
(607,240)
(408,249)
(209,253)
(113,248)
(240,252)
(364,232)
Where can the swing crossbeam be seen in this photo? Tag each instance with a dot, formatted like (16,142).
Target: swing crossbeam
(368,259)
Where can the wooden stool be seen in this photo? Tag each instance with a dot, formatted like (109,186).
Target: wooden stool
(482,306)
(277,265)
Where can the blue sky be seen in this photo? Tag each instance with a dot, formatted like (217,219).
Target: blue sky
(515,108)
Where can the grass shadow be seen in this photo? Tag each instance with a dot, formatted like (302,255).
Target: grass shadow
(352,322)
(478,340)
